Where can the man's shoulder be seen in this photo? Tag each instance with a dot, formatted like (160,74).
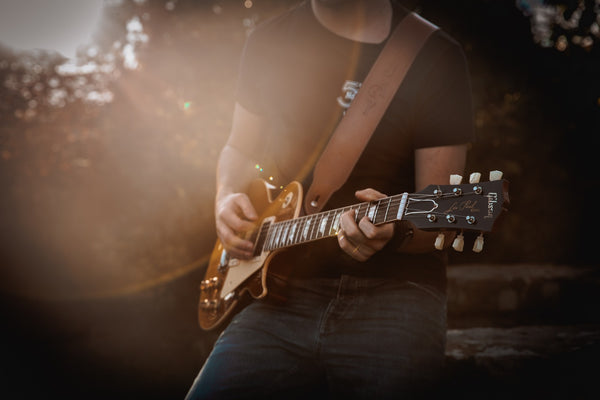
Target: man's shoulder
(440,39)
(275,26)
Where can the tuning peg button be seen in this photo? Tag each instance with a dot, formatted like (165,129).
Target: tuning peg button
(475,177)
(459,243)
(439,241)
(478,245)
(495,175)
(455,179)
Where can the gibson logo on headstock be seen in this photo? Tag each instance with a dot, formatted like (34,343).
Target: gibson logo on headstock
(492,199)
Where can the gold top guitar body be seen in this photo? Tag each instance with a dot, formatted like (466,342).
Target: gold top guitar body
(226,279)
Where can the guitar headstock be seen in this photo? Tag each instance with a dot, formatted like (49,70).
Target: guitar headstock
(473,206)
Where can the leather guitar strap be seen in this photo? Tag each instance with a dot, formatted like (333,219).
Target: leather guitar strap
(356,127)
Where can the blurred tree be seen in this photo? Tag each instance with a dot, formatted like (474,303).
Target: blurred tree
(107,161)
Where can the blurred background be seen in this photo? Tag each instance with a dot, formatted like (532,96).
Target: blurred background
(112,114)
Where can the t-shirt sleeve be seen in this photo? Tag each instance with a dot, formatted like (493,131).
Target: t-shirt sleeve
(248,94)
(251,68)
(445,113)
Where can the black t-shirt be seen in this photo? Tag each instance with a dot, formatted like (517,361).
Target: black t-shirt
(300,76)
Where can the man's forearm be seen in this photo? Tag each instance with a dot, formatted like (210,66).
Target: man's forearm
(235,171)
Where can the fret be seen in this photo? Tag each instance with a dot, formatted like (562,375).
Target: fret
(345,210)
(336,222)
(394,205)
(318,228)
(376,205)
(371,212)
(300,230)
(339,219)
(269,244)
(317,223)
(382,210)
(329,224)
(358,212)
(314,231)
(362,211)
(387,209)
(292,233)
(278,237)
(355,209)
(286,227)
(282,234)
(273,236)
(297,229)
(323,223)
(312,228)
(276,234)
(306,228)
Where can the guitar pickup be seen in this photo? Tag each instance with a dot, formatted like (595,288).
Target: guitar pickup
(223,262)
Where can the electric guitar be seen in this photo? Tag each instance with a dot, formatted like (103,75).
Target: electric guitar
(459,207)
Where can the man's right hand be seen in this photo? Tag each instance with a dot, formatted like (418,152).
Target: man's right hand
(235,215)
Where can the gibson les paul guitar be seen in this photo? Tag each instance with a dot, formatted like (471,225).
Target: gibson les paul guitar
(459,207)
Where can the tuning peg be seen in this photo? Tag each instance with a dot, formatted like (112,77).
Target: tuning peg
(439,241)
(495,175)
(459,243)
(474,177)
(478,245)
(455,179)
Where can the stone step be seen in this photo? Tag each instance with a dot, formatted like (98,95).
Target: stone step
(523,362)
(522,294)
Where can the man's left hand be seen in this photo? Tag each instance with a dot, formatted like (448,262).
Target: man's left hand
(363,239)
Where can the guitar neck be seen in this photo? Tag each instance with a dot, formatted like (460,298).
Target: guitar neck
(437,207)
(308,228)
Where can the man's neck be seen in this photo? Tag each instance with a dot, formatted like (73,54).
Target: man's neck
(366,21)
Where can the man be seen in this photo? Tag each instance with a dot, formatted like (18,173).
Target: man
(364,314)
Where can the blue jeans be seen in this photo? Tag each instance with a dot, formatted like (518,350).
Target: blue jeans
(342,338)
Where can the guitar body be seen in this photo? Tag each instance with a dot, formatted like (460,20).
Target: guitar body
(228,279)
